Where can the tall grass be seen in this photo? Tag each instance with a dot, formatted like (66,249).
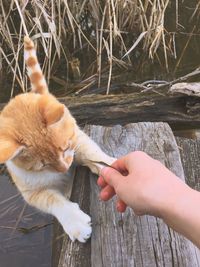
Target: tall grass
(89,38)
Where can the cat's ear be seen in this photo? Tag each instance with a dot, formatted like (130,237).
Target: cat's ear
(8,149)
(52,111)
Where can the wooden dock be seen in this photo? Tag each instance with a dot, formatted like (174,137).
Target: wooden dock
(126,240)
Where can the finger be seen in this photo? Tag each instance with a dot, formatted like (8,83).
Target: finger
(101,182)
(121,166)
(120,205)
(107,193)
(126,163)
(111,176)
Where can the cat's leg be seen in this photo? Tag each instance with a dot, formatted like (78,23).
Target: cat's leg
(88,153)
(75,222)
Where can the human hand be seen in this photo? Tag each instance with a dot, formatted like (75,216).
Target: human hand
(140,182)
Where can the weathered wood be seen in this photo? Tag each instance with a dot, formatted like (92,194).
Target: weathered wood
(57,229)
(156,244)
(178,110)
(77,254)
(190,157)
(126,240)
(186,88)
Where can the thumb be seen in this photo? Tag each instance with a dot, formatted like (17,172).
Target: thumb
(111,176)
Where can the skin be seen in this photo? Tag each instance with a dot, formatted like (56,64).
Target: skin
(148,187)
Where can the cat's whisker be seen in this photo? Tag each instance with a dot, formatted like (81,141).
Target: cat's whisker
(76,148)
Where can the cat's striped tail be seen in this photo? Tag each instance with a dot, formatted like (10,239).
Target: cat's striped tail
(38,82)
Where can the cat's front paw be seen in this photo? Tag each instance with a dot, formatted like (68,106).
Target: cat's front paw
(77,224)
(97,166)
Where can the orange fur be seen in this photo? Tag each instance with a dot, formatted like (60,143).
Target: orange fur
(31,61)
(40,88)
(69,160)
(43,197)
(51,110)
(8,147)
(38,139)
(36,76)
(28,43)
(38,123)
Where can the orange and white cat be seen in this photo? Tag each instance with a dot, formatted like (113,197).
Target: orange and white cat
(39,139)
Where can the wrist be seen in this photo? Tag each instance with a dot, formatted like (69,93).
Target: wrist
(182,213)
(178,197)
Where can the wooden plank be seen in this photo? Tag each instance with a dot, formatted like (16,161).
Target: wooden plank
(77,254)
(57,229)
(127,240)
(190,157)
(156,244)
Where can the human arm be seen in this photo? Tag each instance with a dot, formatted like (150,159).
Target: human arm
(149,187)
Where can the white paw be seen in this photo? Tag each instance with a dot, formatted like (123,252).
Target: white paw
(77,224)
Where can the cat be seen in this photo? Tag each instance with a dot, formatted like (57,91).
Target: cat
(39,140)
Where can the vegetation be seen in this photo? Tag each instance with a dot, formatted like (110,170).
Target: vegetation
(84,43)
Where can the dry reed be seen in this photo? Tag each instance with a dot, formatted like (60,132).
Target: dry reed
(98,34)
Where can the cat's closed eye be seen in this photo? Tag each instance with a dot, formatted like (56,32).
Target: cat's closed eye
(64,150)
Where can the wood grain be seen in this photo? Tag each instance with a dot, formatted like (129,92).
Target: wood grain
(75,254)
(127,240)
(178,110)
(190,156)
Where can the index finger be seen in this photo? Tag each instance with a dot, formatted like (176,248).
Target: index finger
(121,165)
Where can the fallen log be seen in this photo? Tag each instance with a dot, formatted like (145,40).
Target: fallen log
(186,88)
(177,110)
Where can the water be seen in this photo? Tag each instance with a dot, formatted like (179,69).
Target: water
(18,249)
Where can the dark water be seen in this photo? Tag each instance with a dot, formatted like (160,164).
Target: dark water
(18,249)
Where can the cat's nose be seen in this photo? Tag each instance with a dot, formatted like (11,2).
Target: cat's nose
(68,160)
(61,167)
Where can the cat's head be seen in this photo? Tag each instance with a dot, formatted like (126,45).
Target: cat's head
(37,133)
